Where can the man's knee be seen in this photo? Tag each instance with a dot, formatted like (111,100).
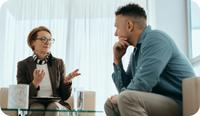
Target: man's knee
(107,104)
(127,97)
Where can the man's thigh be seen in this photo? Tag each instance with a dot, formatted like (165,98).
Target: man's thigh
(153,104)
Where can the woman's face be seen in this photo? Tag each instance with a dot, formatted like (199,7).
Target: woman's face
(43,42)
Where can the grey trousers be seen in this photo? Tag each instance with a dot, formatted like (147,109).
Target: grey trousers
(53,105)
(136,103)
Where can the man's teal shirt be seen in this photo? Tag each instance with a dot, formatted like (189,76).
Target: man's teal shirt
(156,65)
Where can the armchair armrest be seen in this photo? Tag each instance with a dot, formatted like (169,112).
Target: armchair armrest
(89,100)
(4,101)
(191,96)
(3,97)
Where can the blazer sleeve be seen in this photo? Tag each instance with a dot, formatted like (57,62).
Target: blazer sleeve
(23,77)
(64,89)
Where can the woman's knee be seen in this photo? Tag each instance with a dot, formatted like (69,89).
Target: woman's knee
(53,105)
(37,106)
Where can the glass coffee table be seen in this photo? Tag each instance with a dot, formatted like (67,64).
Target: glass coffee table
(23,112)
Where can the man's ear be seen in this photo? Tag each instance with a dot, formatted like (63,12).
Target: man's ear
(130,26)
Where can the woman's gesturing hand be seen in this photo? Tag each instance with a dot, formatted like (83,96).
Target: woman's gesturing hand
(71,75)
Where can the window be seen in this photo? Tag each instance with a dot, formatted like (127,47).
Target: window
(194,29)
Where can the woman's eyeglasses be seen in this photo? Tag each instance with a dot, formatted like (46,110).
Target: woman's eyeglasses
(45,39)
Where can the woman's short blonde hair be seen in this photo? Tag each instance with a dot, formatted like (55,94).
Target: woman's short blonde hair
(33,35)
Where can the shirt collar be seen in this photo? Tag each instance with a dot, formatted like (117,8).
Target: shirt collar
(41,61)
(144,33)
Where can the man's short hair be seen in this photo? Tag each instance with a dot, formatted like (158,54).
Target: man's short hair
(132,10)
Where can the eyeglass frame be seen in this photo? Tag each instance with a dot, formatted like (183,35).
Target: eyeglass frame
(45,39)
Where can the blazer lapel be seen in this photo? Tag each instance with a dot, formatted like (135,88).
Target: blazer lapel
(32,66)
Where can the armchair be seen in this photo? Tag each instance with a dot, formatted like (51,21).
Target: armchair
(89,102)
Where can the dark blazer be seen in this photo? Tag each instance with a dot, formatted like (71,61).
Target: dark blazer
(56,69)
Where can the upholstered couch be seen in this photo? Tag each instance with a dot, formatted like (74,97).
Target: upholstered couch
(89,102)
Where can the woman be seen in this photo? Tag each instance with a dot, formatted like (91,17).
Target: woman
(44,73)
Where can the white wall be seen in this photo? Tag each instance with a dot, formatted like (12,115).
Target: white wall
(171,17)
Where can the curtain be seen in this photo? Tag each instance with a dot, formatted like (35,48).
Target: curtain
(83,32)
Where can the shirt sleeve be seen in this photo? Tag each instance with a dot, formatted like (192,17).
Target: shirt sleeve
(120,77)
(64,89)
(155,55)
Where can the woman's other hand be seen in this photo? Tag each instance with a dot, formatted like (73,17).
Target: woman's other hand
(38,75)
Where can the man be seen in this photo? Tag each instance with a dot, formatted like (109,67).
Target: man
(152,84)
